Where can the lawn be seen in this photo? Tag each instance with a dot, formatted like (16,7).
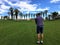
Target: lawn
(24,32)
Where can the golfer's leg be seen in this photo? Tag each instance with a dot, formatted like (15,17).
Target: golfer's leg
(42,36)
(38,36)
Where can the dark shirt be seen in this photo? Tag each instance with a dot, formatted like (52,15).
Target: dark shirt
(39,21)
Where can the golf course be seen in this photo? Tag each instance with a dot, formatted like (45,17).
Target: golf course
(24,32)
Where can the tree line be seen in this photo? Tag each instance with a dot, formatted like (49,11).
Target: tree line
(15,12)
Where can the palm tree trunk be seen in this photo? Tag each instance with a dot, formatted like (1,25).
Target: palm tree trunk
(16,17)
(11,15)
(26,16)
(34,15)
(43,14)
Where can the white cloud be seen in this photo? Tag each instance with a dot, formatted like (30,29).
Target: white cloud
(24,5)
(29,7)
(59,12)
(1,11)
(13,0)
(8,2)
(42,9)
(17,1)
(54,1)
(0,2)
(4,7)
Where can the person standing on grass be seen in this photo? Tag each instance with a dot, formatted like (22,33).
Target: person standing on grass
(39,24)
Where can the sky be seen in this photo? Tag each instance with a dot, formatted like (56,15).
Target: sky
(26,6)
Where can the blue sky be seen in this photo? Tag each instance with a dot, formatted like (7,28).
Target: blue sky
(29,5)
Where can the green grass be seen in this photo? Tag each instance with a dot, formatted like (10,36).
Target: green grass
(24,32)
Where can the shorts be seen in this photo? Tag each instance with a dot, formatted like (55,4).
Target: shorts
(39,29)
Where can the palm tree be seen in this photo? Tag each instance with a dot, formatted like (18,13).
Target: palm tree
(49,16)
(21,14)
(26,16)
(34,15)
(16,13)
(42,13)
(46,13)
(9,14)
(11,11)
(29,15)
(54,14)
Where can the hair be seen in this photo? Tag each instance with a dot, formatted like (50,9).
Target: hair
(38,14)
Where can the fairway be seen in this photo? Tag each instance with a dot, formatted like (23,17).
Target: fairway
(24,32)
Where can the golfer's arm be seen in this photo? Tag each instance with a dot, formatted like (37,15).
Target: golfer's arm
(36,21)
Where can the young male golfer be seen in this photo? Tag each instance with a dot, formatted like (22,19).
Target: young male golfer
(39,25)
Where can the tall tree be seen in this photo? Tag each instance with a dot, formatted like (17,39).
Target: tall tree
(54,14)
(26,16)
(29,15)
(9,14)
(21,14)
(11,11)
(34,15)
(49,16)
(46,11)
(16,13)
(42,13)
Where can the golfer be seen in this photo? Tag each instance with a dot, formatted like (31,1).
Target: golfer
(39,25)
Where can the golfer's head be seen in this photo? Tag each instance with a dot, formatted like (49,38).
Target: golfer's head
(38,14)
